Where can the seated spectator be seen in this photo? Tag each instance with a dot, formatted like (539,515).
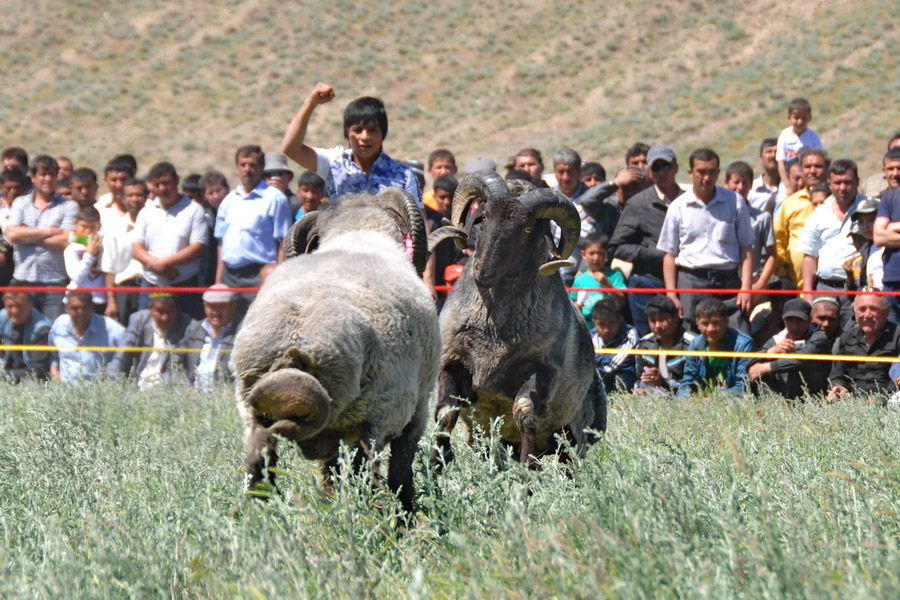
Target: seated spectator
(82,256)
(791,377)
(706,372)
(595,254)
(311,191)
(161,327)
(610,331)
(826,316)
(872,335)
(81,327)
(21,324)
(215,336)
(661,372)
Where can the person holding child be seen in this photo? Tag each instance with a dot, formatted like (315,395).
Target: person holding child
(794,139)
(82,256)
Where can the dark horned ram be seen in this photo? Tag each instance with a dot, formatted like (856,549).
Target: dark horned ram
(513,343)
(342,344)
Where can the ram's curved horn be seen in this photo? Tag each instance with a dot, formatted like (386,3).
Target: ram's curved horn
(401,205)
(553,205)
(303,236)
(447,232)
(486,184)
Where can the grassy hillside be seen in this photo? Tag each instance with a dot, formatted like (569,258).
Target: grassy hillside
(190,81)
(111,493)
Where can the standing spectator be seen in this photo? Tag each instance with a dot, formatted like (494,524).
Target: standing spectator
(889,178)
(761,196)
(250,224)
(15,157)
(787,376)
(441,162)
(169,236)
(660,371)
(530,161)
(638,155)
(795,138)
(794,212)
(112,204)
(592,174)
(21,324)
(13,183)
(120,269)
(365,166)
(80,327)
(277,174)
(886,233)
(214,335)
(825,240)
(160,327)
(64,168)
(708,241)
(445,254)
(214,187)
(873,335)
(39,228)
(739,178)
(567,169)
(311,190)
(714,371)
(84,187)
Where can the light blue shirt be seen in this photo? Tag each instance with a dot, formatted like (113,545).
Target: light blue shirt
(343,176)
(250,225)
(84,365)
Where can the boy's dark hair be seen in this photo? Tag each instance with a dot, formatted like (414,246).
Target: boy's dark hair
(660,305)
(45,162)
(794,162)
(84,174)
(606,309)
(894,138)
(891,155)
(249,149)
(135,181)
(593,168)
(814,152)
(124,163)
(312,179)
(704,154)
(15,174)
(88,213)
(596,238)
(212,178)
(440,154)
(190,185)
(820,187)
(711,307)
(535,154)
(161,169)
(798,104)
(448,183)
(16,153)
(366,111)
(842,166)
(517,174)
(767,143)
(636,149)
(64,182)
(740,168)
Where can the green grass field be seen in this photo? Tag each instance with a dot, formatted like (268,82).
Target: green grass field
(111,493)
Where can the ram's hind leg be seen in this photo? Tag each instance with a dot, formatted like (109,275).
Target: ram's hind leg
(529,401)
(454,382)
(261,456)
(403,452)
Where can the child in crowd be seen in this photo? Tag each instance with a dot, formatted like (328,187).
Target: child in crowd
(445,254)
(64,188)
(190,187)
(82,256)
(703,372)
(364,166)
(311,191)
(595,254)
(84,187)
(739,178)
(215,188)
(660,372)
(819,193)
(617,371)
(795,138)
(440,162)
(592,174)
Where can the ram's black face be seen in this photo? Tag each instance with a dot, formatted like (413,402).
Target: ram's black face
(511,243)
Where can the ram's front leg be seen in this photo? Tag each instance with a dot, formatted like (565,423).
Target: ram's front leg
(528,404)
(454,381)
(261,456)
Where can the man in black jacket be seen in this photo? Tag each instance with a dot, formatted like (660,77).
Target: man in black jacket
(637,231)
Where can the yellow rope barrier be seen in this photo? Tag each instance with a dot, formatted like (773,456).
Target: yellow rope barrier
(766,355)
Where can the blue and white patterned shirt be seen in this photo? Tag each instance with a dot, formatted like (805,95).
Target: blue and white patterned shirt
(343,176)
(35,263)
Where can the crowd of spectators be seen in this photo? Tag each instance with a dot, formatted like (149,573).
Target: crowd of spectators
(805,223)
